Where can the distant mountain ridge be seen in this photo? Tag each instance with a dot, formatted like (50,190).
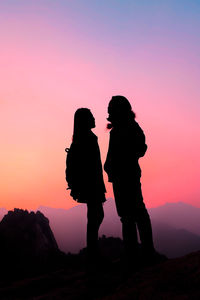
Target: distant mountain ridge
(179,215)
(176,226)
(172,235)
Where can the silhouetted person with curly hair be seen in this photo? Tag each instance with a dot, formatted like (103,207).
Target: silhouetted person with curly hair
(126,146)
(84,176)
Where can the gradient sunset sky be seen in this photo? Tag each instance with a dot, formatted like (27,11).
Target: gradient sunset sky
(57,56)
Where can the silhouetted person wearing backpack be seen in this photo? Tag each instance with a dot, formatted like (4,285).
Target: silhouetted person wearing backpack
(85,178)
(126,146)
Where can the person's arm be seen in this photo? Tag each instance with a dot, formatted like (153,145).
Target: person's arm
(108,163)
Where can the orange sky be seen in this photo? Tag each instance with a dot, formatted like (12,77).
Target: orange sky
(55,59)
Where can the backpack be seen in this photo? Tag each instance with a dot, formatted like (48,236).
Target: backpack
(72,171)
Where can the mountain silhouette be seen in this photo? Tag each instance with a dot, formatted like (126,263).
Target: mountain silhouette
(69,226)
(176,226)
(172,236)
(174,242)
(180,215)
(173,279)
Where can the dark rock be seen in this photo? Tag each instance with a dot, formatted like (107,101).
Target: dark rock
(26,239)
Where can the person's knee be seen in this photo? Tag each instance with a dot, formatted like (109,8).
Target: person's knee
(96,218)
(143,215)
(126,220)
(100,217)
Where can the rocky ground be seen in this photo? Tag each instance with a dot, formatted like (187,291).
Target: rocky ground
(173,279)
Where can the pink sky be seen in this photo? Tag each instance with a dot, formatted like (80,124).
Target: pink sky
(55,59)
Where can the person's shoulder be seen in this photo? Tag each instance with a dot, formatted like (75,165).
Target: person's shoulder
(92,138)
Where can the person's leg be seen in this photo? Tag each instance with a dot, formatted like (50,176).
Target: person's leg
(126,214)
(150,255)
(145,229)
(129,234)
(95,215)
(143,222)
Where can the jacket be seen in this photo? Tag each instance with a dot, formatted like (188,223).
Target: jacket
(84,170)
(126,146)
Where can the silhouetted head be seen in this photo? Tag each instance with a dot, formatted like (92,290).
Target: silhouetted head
(120,111)
(83,122)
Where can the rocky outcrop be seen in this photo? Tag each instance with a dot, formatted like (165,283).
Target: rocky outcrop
(26,238)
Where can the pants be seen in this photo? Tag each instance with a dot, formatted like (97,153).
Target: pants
(133,214)
(95,215)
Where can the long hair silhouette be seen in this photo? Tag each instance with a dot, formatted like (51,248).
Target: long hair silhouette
(120,111)
(83,122)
